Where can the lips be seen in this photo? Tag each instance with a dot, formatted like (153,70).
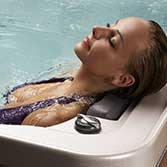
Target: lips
(86,42)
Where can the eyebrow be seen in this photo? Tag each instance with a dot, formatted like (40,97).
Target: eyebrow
(122,39)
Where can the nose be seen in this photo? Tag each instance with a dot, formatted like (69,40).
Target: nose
(100,32)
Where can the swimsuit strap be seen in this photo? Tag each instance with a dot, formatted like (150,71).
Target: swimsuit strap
(16,115)
(51,80)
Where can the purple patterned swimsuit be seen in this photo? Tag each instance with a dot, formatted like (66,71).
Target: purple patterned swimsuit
(16,115)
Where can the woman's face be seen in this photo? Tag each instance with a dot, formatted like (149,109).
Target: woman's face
(106,51)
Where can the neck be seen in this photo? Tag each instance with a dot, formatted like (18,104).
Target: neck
(86,83)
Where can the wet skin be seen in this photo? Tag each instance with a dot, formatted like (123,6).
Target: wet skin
(107,50)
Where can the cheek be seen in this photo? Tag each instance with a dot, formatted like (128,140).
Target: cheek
(100,68)
(99,49)
(99,62)
(100,52)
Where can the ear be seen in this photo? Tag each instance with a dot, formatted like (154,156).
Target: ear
(123,80)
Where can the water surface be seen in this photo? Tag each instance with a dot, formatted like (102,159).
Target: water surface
(37,36)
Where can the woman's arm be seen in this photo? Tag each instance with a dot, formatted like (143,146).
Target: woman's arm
(54,115)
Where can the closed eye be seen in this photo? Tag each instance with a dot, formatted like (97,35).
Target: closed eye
(110,37)
(110,42)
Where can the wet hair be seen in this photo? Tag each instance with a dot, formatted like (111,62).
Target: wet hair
(148,66)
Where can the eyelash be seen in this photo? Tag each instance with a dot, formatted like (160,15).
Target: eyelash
(109,39)
(111,43)
(108,25)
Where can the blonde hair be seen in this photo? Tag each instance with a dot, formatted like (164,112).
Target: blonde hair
(148,67)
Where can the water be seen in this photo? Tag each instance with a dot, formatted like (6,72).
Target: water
(37,36)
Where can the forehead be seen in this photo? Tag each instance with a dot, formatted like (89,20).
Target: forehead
(135,31)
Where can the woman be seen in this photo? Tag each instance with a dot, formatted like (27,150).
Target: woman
(128,58)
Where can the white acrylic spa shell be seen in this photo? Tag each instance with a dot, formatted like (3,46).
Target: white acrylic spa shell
(137,139)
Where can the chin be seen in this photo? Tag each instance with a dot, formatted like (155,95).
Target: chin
(80,51)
